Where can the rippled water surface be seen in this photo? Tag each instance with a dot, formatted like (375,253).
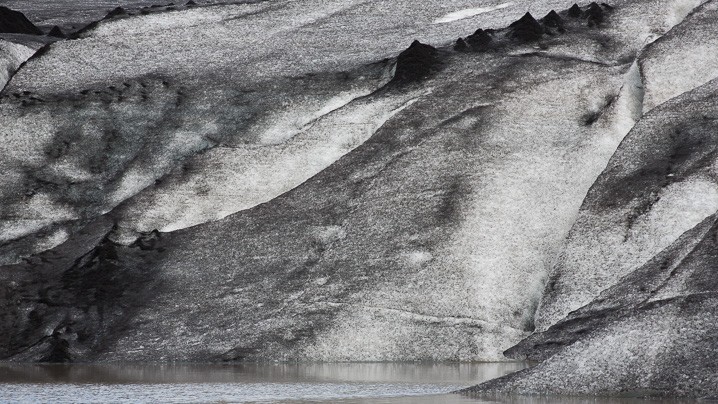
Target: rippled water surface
(268,383)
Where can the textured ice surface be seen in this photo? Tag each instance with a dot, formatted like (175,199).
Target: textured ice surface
(72,15)
(433,236)
(683,59)
(335,216)
(140,91)
(652,334)
(508,225)
(483,269)
(244,176)
(629,307)
(658,185)
(12,55)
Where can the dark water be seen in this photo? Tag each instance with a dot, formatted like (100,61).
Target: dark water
(386,383)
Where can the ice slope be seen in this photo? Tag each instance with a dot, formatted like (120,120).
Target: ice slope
(125,90)
(15,22)
(433,236)
(369,238)
(682,59)
(487,273)
(647,329)
(652,334)
(12,55)
(72,15)
(535,168)
(244,176)
(103,85)
(640,204)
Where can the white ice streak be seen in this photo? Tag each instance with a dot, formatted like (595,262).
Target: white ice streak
(294,121)
(469,12)
(245,176)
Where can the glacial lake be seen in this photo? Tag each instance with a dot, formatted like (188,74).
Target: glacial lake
(365,383)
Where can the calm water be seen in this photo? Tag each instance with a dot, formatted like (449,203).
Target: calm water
(370,383)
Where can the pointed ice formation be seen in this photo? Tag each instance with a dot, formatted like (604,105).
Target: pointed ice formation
(15,22)
(575,11)
(416,63)
(553,20)
(115,12)
(56,32)
(526,28)
(479,40)
(460,45)
(594,14)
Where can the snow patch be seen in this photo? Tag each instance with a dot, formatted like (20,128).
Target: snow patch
(328,234)
(418,258)
(34,216)
(469,12)
(183,142)
(57,237)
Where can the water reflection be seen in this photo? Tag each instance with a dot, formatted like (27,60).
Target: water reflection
(434,373)
(365,383)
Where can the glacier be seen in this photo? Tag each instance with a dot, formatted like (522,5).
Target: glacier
(203,183)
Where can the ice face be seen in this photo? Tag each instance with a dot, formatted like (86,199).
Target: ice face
(309,199)
(490,270)
(683,59)
(157,76)
(125,90)
(662,314)
(637,317)
(434,217)
(612,237)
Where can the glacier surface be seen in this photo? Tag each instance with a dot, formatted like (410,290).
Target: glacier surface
(287,180)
